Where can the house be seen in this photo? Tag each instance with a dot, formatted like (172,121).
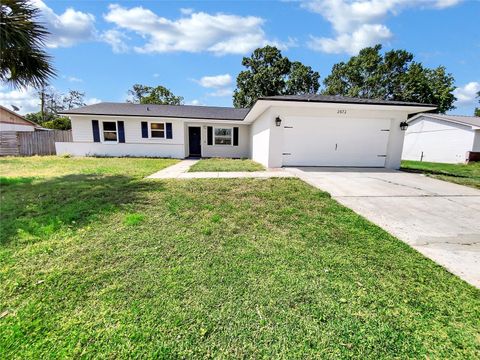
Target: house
(303,130)
(441,138)
(11,121)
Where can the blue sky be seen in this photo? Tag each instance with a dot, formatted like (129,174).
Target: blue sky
(195,48)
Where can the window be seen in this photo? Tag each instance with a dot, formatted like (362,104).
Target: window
(110,131)
(223,136)
(157,130)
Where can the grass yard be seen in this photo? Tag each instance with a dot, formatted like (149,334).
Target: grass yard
(220,164)
(105,264)
(463,174)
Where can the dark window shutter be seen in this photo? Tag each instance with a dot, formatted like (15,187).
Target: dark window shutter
(96,131)
(235,136)
(121,132)
(169,130)
(144,129)
(209,135)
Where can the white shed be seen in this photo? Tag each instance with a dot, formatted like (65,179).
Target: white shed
(441,138)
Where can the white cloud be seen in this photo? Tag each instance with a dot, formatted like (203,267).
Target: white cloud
(216,81)
(466,95)
(68,28)
(221,92)
(116,39)
(365,35)
(93,100)
(194,102)
(220,83)
(26,99)
(359,23)
(192,32)
(442,4)
(186,11)
(72,79)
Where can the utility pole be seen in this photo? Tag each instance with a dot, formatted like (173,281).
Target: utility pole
(42,103)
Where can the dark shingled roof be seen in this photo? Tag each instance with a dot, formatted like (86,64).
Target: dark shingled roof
(215,112)
(460,119)
(172,111)
(341,99)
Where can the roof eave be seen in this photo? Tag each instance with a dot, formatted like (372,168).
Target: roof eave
(433,116)
(262,104)
(151,116)
(372,102)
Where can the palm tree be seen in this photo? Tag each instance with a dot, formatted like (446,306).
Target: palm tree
(22,39)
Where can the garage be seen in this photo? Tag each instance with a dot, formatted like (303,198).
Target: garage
(319,141)
(324,130)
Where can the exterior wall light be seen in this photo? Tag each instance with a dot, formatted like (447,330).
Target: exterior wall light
(403,125)
(278,121)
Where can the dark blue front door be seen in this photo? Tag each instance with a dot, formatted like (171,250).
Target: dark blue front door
(194,138)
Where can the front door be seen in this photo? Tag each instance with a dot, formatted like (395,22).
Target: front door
(194,137)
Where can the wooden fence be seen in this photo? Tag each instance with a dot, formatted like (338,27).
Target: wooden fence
(8,143)
(28,143)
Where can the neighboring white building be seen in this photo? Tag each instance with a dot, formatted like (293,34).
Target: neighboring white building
(11,121)
(297,130)
(441,138)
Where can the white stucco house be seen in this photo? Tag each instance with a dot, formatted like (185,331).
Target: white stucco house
(441,138)
(297,130)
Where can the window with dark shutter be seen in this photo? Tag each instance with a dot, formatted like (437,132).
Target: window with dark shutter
(109,129)
(96,131)
(169,130)
(144,129)
(157,130)
(209,135)
(235,136)
(121,132)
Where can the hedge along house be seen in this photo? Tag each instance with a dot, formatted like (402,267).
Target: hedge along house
(297,130)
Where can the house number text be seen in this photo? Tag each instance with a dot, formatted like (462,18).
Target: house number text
(344,112)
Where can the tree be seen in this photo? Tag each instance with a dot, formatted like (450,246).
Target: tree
(477,110)
(22,59)
(54,103)
(302,79)
(138,92)
(141,94)
(58,123)
(73,99)
(269,73)
(392,76)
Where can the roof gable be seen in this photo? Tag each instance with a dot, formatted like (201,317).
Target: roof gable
(473,121)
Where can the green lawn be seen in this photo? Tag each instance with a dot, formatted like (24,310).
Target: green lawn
(463,174)
(220,164)
(106,264)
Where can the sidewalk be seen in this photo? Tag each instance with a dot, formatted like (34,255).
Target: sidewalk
(180,171)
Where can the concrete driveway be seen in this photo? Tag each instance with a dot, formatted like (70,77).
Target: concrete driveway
(439,219)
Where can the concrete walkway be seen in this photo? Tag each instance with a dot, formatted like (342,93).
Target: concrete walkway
(180,171)
(439,219)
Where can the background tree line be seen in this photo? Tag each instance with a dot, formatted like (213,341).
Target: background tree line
(392,75)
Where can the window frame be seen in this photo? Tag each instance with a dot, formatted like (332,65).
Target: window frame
(223,127)
(150,129)
(103,132)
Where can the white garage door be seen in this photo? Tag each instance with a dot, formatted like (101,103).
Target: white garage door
(335,142)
